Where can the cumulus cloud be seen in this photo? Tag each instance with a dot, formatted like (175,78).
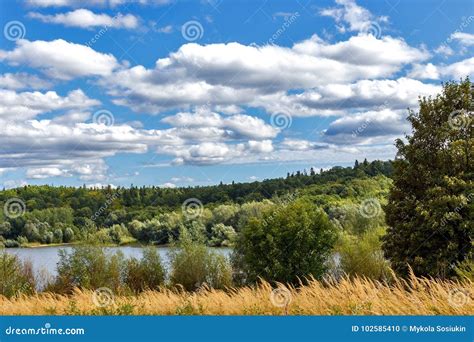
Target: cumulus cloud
(336,99)
(351,17)
(92,3)
(236,126)
(60,59)
(466,39)
(302,145)
(26,105)
(455,70)
(236,74)
(87,19)
(68,145)
(368,128)
(23,80)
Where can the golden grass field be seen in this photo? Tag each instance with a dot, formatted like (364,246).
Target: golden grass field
(345,297)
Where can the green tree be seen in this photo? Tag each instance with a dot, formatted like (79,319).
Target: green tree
(288,243)
(145,273)
(430,208)
(193,265)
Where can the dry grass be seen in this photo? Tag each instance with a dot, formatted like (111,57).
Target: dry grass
(346,297)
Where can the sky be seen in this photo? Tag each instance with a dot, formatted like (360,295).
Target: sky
(187,93)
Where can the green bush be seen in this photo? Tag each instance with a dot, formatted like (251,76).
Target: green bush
(16,277)
(146,273)
(193,265)
(89,267)
(286,244)
(362,255)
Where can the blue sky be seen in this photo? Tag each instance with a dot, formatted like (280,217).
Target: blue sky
(184,93)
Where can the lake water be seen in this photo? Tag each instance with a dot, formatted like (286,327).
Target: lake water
(44,259)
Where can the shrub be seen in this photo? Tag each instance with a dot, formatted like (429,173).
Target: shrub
(88,267)
(68,235)
(146,273)
(362,255)
(221,235)
(11,244)
(193,264)
(288,243)
(16,277)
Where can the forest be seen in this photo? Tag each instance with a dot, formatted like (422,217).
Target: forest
(155,215)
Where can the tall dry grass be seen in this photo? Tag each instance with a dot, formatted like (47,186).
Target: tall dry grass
(415,296)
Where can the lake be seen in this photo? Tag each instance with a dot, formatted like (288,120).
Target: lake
(44,259)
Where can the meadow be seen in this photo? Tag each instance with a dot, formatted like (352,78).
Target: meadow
(357,296)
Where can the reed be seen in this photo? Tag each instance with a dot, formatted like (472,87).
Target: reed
(347,296)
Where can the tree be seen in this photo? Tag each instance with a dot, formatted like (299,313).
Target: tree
(288,243)
(430,208)
(68,235)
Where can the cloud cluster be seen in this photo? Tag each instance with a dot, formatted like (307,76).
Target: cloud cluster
(92,3)
(60,59)
(230,74)
(87,19)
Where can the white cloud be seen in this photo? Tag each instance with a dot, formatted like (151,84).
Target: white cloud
(236,126)
(455,70)
(92,3)
(444,50)
(466,39)
(45,172)
(168,185)
(302,145)
(350,16)
(22,80)
(368,128)
(26,105)
(60,59)
(86,19)
(234,74)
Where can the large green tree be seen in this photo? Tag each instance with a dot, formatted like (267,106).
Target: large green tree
(288,243)
(430,208)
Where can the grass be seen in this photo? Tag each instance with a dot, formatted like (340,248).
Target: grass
(359,296)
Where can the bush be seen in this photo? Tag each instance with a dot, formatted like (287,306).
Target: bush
(193,265)
(362,255)
(15,277)
(146,273)
(288,243)
(221,235)
(11,244)
(89,267)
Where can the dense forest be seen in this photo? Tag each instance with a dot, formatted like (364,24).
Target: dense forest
(155,215)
